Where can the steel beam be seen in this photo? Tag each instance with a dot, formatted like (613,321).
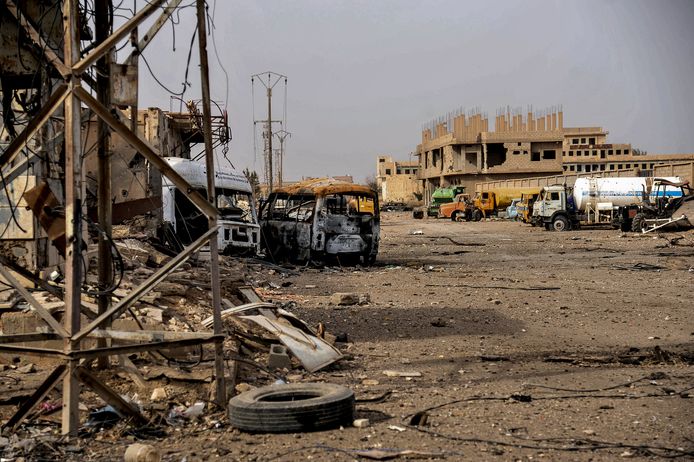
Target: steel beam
(221,391)
(38,308)
(73,217)
(108,395)
(97,52)
(140,347)
(158,24)
(19,143)
(122,32)
(148,151)
(41,392)
(145,287)
(38,40)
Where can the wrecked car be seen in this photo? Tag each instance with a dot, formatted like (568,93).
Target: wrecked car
(182,222)
(318,219)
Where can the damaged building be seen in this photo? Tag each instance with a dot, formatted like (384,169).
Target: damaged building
(397,181)
(461,149)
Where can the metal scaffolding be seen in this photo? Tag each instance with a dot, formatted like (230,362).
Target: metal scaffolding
(74,69)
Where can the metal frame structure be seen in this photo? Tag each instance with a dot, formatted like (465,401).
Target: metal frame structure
(72,96)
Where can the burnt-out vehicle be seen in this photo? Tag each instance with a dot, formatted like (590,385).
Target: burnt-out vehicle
(317,220)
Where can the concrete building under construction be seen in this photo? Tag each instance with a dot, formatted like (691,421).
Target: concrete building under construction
(460,149)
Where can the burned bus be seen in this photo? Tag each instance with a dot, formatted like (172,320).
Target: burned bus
(183,222)
(317,220)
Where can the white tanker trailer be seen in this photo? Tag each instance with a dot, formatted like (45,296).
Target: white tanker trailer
(598,201)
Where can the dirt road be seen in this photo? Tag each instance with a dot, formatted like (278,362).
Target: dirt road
(486,311)
(530,345)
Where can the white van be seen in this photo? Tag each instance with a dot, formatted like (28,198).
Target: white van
(239,232)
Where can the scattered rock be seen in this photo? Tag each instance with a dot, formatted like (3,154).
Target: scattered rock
(159,394)
(28,369)
(168,289)
(244,387)
(370,382)
(141,453)
(349,298)
(361,423)
(389,373)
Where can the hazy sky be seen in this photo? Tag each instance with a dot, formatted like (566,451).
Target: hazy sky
(363,76)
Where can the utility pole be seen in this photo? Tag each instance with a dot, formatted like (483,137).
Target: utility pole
(269,80)
(281,135)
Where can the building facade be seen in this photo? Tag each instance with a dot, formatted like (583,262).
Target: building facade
(460,149)
(397,181)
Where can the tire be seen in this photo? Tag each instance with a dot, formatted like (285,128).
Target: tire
(457,216)
(292,408)
(477,215)
(638,224)
(560,223)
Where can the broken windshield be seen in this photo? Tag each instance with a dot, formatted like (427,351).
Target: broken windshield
(234,205)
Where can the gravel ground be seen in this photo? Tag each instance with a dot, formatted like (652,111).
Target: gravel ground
(530,345)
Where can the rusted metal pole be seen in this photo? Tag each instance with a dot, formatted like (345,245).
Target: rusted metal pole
(220,396)
(269,135)
(133,60)
(103,78)
(73,208)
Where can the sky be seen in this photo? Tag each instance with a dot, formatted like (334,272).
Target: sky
(364,76)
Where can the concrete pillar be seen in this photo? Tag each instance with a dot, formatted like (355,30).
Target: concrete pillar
(484,156)
(561,120)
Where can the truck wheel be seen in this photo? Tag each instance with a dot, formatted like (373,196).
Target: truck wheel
(638,224)
(560,224)
(457,216)
(291,408)
(477,215)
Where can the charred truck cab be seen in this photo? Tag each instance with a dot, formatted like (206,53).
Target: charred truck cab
(239,232)
(319,219)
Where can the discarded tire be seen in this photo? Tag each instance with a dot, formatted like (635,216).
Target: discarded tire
(290,408)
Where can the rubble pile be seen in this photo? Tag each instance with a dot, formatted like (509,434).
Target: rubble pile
(266,344)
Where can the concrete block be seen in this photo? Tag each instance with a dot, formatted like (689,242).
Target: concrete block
(278,358)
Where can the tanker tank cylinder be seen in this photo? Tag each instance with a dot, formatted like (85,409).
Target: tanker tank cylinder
(619,191)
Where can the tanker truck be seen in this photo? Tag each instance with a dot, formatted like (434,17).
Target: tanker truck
(591,201)
(490,202)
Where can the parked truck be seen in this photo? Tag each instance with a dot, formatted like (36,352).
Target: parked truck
(458,210)
(663,210)
(524,208)
(490,202)
(443,196)
(592,201)
(183,223)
